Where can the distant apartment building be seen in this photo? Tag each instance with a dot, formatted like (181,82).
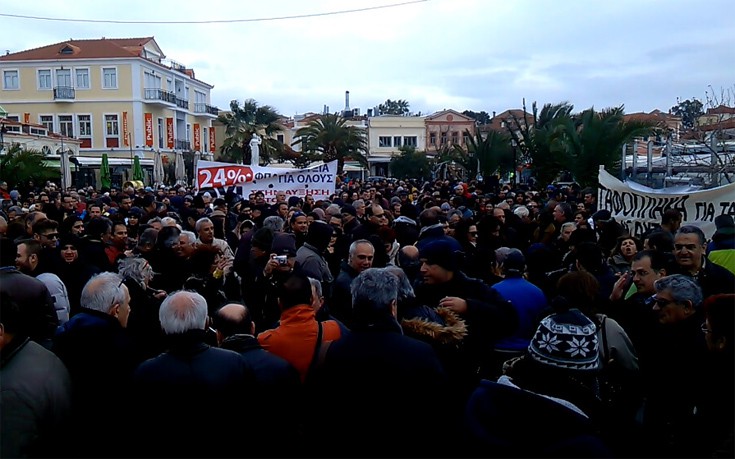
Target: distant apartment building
(447,128)
(388,133)
(119,96)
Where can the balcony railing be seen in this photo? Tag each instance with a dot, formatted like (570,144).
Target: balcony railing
(182,145)
(181,103)
(160,94)
(204,108)
(64,93)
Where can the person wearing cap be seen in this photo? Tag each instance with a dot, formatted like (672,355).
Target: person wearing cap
(555,380)
(488,315)
(349,219)
(528,301)
(721,249)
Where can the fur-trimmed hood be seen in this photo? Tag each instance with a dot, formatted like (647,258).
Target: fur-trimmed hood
(450,331)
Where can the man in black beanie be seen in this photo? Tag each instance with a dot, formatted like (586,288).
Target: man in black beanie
(488,315)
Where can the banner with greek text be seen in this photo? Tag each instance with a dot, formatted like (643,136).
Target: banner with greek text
(318,181)
(640,208)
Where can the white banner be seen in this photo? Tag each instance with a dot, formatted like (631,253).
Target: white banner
(639,208)
(318,181)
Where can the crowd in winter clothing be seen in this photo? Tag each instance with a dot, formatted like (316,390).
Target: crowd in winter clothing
(394,319)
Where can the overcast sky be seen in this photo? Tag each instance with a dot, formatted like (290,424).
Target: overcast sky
(461,54)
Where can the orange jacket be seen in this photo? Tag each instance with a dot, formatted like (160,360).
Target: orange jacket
(295,337)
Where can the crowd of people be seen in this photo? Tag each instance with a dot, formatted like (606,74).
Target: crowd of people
(397,318)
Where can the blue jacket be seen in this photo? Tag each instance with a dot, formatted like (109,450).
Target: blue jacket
(529,302)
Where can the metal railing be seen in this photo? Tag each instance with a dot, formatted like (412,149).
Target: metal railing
(182,145)
(204,108)
(181,103)
(160,94)
(64,92)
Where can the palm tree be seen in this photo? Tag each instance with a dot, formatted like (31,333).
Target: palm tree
(596,138)
(329,138)
(540,140)
(240,125)
(492,153)
(19,166)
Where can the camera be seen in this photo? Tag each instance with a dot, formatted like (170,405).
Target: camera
(281,259)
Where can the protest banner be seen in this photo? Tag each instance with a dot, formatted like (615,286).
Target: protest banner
(318,181)
(639,208)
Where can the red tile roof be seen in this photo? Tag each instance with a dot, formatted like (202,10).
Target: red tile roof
(496,122)
(103,48)
(721,110)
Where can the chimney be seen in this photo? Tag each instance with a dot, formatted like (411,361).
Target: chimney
(493,113)
(370,112)
(347,101)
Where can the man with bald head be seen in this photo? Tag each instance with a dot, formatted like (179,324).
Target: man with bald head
(408,261)
(276,380)
(236,332)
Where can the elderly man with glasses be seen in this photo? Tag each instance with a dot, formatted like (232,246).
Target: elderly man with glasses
(672,369)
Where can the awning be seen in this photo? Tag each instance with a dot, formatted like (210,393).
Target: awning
(55,163)
(94,161)
(3,112)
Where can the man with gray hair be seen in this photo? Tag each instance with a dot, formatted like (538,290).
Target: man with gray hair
(185,388)
(380,373)
(360,258)
(671,362)
(100,358)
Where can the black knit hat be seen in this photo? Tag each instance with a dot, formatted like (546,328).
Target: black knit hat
(441,252)
(263,239)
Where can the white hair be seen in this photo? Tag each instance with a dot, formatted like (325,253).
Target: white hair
(201,222)
(102,292)
(183,311)
(190,235)
(169,221)
(521,211)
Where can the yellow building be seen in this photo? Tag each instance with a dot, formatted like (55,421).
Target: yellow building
(116,96)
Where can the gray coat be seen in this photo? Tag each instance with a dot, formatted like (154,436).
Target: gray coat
(35,396)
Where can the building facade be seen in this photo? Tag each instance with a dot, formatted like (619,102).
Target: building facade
(121,97)
(447,128)
(388,133)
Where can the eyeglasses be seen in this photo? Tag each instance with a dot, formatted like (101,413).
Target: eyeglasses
(473,233)
(689,247)
(51,235)
(660,302)
(704,328)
